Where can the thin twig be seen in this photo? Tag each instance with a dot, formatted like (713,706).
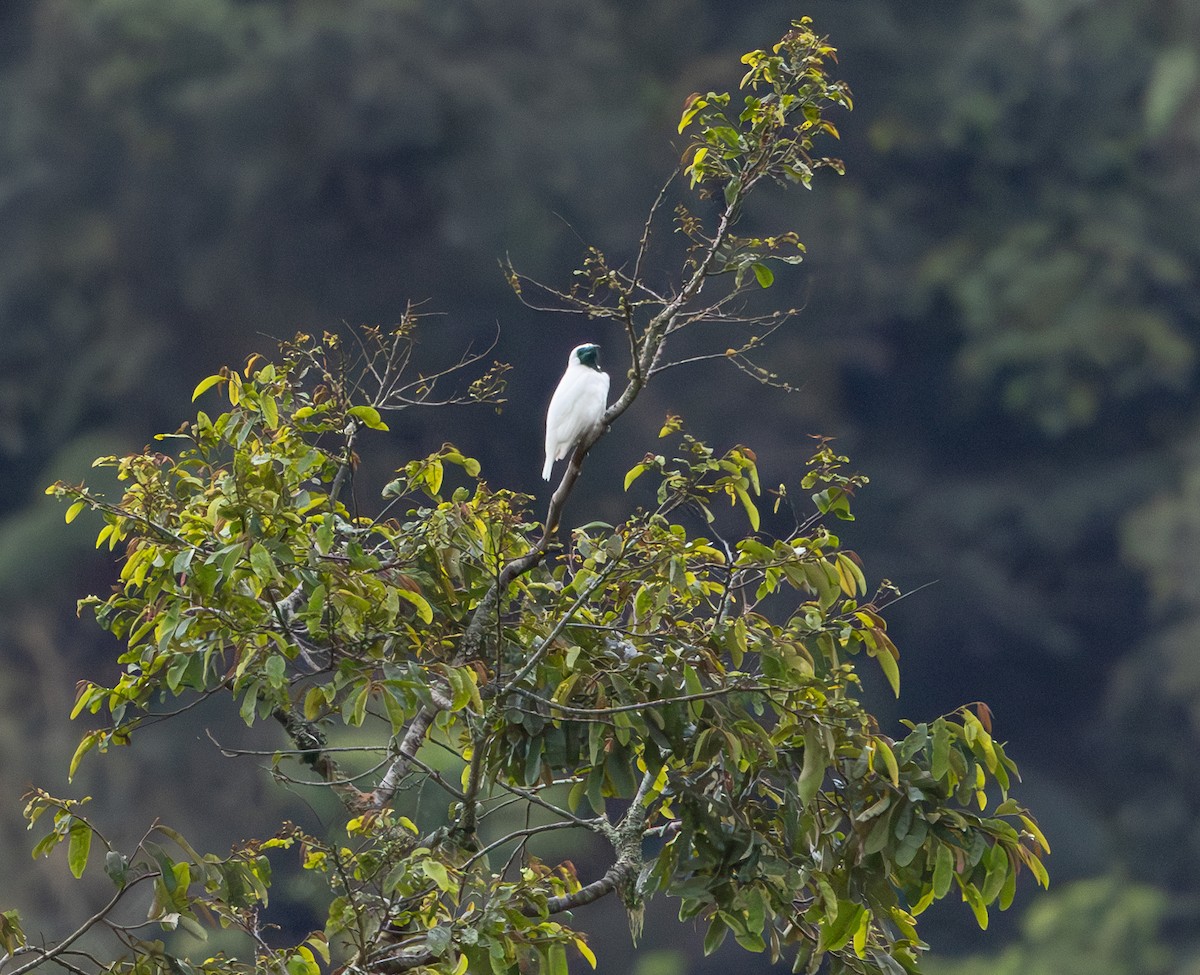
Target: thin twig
(518,834)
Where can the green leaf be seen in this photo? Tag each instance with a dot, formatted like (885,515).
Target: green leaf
(750,939)
(11,935)
(323,539)
(275,668)
(812,774)
(45,845)
(320,945)
(298,964)
(880,835)
(943,871)
(889,760)
(533,760)
(763,275)
(715,935)
(556,959)
(694,688)
(117,867)
(73,511)
(270,411)
(368,416)
(261,563)
(940,761)
(836,934)
(78,848)
(1008,890)
(184,845)
(438,873)
(997,869)
(461,687)
(354,708)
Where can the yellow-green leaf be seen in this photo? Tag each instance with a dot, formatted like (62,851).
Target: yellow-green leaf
(763,275)
(86,744)
(1033,828)
(369,416)
(687,117)
(586,952)
(860,935)
(751,510)
(889,759)
(433,476)
(1039,871)
(972,896)
(205,385)
(891,671)
(919,907)
(318,941)
(270,411)
(438,873)
(82,698)
(840,930)
(424,610)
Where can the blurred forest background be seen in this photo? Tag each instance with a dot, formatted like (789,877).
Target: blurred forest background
(1001,326)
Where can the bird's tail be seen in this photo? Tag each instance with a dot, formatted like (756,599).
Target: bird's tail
(549,466)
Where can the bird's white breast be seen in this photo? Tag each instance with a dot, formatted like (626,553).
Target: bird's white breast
(576,407)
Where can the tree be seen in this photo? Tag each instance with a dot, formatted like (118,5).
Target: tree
(689,698)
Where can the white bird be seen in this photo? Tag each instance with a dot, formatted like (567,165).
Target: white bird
(577,406)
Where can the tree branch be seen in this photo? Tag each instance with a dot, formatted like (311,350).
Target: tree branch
(53,953)
(311,744)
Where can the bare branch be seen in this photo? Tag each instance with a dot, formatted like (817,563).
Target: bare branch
(644,243)
(585,713)
(52,954)
(312,746)
(410,744)
(522,834)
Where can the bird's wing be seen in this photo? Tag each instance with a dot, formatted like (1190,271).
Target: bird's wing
(583,407)
(560,404)
(555,419)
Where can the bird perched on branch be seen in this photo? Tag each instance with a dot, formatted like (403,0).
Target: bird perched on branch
(577,406)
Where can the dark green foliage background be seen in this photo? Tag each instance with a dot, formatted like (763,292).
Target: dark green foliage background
(1001,320)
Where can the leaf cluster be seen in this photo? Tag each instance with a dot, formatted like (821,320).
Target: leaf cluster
(705,686)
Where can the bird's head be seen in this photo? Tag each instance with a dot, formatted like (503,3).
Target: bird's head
(587,355)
